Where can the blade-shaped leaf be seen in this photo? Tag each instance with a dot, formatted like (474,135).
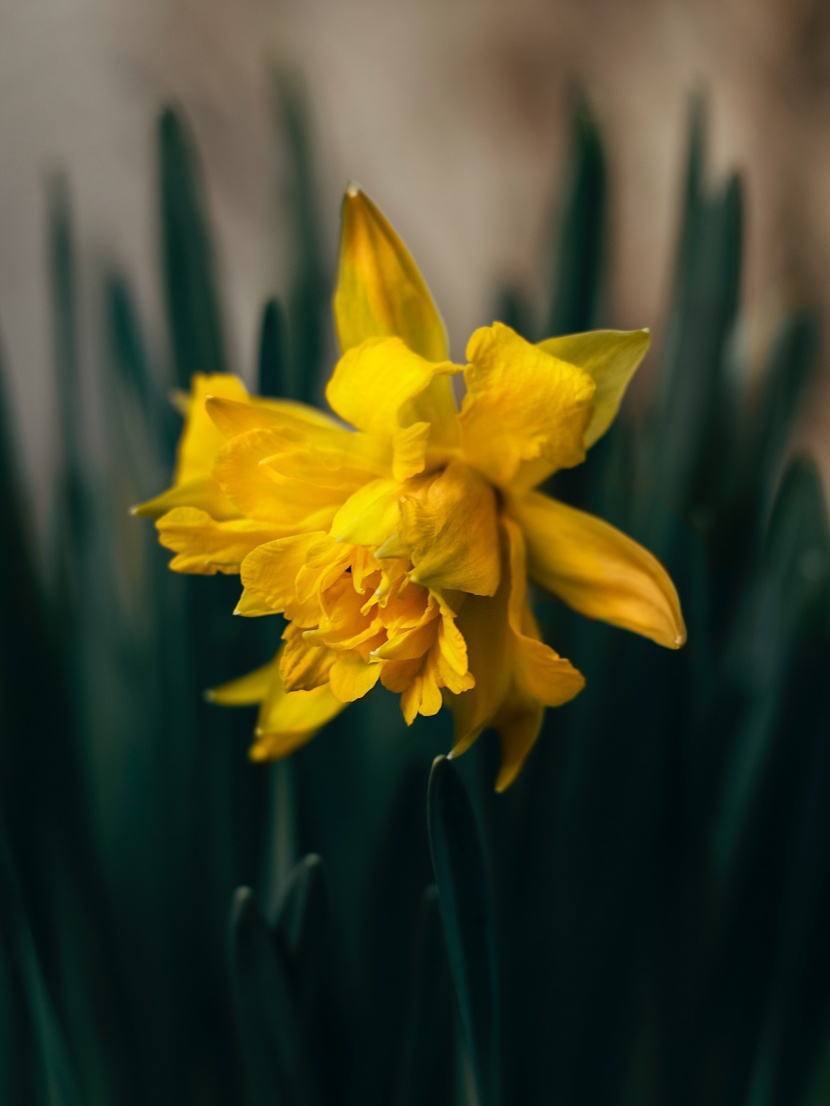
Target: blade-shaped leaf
(193,307)
(427,1063)
(266,1010)
(580,252)
(463,885)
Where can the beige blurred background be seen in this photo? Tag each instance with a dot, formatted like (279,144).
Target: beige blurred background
(451,113)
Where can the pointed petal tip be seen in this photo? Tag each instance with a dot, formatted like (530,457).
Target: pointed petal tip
(353,190)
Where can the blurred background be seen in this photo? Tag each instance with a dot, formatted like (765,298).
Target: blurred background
(453,116)
(642,919)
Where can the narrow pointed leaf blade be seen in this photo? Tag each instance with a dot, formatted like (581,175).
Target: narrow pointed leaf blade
(463,885)
(193,308)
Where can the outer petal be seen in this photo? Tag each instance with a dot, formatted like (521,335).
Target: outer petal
(202,492)
(381,386)
(204,546)
(246,690)
(598,570)
(610,358)
(516,675)
(232,417)
(287,719)
(380,292)
(521,405)
(201,440)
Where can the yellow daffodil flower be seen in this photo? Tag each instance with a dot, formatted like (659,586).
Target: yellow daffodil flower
(399,547)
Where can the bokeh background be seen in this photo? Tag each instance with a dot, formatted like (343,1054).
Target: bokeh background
(642,919)
(452,115)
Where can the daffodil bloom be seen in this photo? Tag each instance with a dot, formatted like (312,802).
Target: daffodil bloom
(397,539)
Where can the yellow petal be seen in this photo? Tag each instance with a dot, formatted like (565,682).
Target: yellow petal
(303,667)
(598,570)
(381,386)
(232,417)
(352,677)
(251,605)
(410,450)
(521,405)
(270,571)
(423,695)
(244,472)
(380,292)
(449,523)
(516,675)
(204,546)
(202,492)
(201,440)
(610,358)
(289,719)
(484,627)
(246,690)
(518,730)
(369,516)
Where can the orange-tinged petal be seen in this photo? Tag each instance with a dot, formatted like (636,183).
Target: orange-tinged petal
(302,666)
(205,546)
(289,719)
(246,690)
(449,523)
(610,358)
(352,677)
(381,386)
(598,570)
(521,405)
(286,720)
(380,292)
(516,675)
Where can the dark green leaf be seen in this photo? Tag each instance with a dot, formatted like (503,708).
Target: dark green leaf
(274,369)
(580,251)
(193,307)
(266,1011)
(309,296)
(463,885)
(426,1073)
